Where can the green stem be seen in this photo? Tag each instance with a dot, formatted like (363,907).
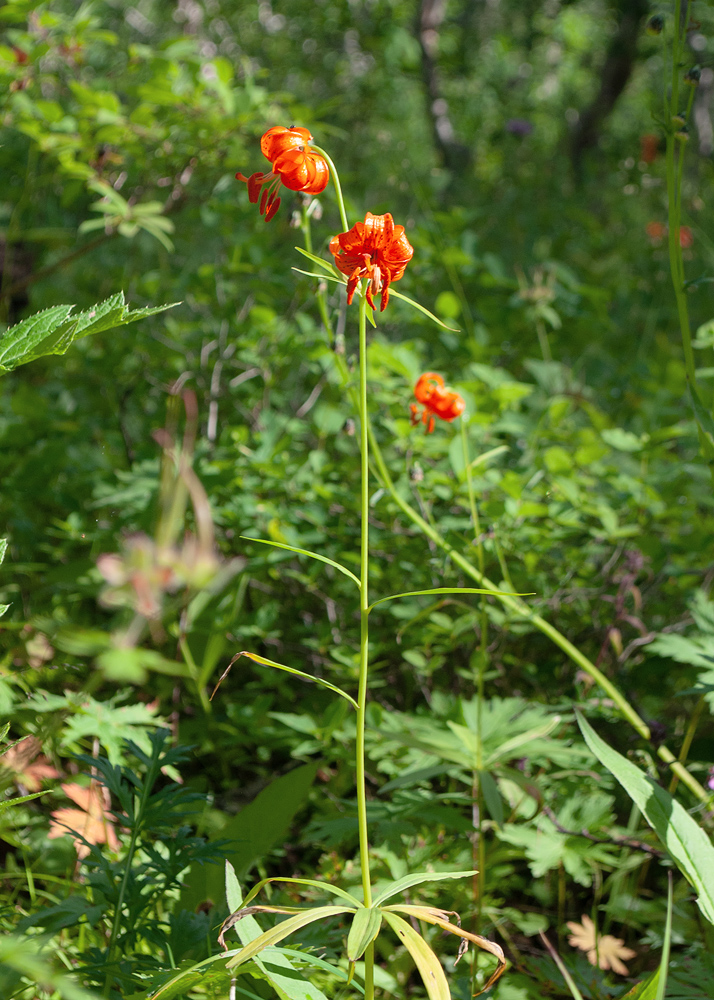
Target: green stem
(321,289)
(480,884)
(520,608)
(674,196)
(363,608)
(688,737)
(148,785)
(338,187)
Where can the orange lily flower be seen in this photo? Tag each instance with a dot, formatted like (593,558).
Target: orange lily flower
(437,401)
(295,166)
(374,249)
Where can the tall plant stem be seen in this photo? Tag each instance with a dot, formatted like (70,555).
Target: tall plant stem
(675,156)
(480,671)
(149,780)
(520,608)
(364,634)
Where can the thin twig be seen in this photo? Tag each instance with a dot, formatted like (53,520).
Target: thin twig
(637,845)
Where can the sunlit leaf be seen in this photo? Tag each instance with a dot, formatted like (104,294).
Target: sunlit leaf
(427,963)
(304,552)
(290,670)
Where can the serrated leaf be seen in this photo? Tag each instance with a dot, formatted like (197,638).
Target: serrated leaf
(7,803)
(429,966)
(304,552)
(364,929)
(54,330)
(689,846)
(418,878)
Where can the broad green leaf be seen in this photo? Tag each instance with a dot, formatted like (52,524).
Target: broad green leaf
(689,846)
(283,930)
(646,990)
(291,670)
(418,878)
(446,590)
(3,548)
(427,963)
(253,832)
(53,330)
(364,929)
(305,552)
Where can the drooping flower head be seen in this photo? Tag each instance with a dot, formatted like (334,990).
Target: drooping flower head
(295,166)
(437,400)
(375,249)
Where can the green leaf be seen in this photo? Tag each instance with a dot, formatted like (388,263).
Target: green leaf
(491,797)
(330,268)
(688,844)
(253,832)
(278,969)
(418,878)
(21,954)
(7,803)
(427,963)
(304,552)
(335,890)
(364,929)
(283,930)
(446,590)
(3,548)
(666,945)
(422,309)
(291,670)
(54,330)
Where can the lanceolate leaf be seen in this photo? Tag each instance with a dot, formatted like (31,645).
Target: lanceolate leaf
(690,847)
(434,915)
(364,929)
(290,670)
(416,305)
(418,878)
(425,960)
(276,967)
(7,803)
(54,330)
(322,886)
(283,930)
(318,260)
(304,552)
(446,590)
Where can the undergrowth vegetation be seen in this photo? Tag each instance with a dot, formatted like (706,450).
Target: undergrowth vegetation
(365,578)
